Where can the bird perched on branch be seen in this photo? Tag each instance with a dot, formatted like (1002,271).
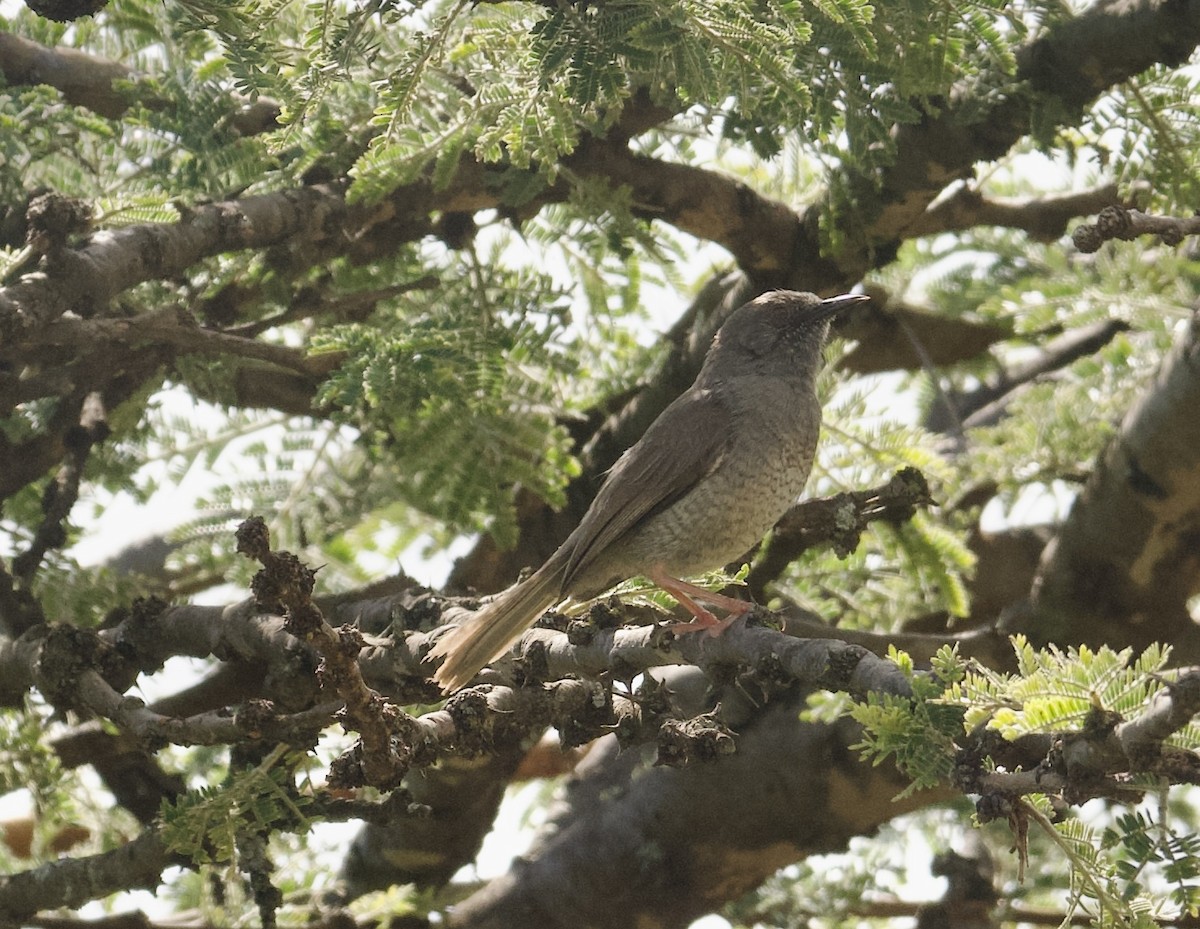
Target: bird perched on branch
(711,475)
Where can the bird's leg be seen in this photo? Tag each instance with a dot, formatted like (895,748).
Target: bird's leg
(688,595)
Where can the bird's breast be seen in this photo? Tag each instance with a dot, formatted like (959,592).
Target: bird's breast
(758,476)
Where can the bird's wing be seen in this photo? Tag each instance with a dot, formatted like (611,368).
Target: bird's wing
(682,446)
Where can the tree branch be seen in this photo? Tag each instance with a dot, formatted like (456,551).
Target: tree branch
(62,493)
(890,335)
(1126,225)
(671,844)
(84,80)
(838,521)
(1044,218)
(1097,761)
(72,882)
(985,405)
(85,279)
(1127,550)
(97,83)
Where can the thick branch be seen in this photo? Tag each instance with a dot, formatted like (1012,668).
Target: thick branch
(72,882)
(670,844)
(1044,218)
(1125,561)
(890,335)
(84,80)
(84,280)
(148,637)
(1126,225)
(626,651)
(217,727)
(759,232)
(985,405)
(175,327)
(97,83)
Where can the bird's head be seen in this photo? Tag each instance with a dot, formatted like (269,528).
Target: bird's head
(780,333)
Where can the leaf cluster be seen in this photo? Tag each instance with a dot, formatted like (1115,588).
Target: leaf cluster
(27,762)
(1142,130)
(1109,867)
(915,568)
(1053,690)
(920,732)
(459,393)
(1147,851)
(519,83)
(207,824)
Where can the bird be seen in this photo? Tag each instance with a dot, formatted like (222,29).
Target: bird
(705,482)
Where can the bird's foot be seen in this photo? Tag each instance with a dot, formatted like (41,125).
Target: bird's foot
(709,624)
(702,620)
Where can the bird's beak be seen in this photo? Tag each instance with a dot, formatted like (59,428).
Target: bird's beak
(832,307)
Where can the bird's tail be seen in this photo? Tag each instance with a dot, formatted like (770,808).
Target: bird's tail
(489,632)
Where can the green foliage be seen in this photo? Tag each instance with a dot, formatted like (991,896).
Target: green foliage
(1114,866)
(324,497)
(1054,690)
(62,806)
(206,824)
(623,267)
(248,36)
(920,732)
(83,595)
(55,153)
(458,392)
(222,826)
(1104,871)
(1144,130)
(517,83)
(1143,850)
(389,907)
(28,762)
(915,568)
(939,558)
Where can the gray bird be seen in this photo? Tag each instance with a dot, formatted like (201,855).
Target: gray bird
(711,475)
